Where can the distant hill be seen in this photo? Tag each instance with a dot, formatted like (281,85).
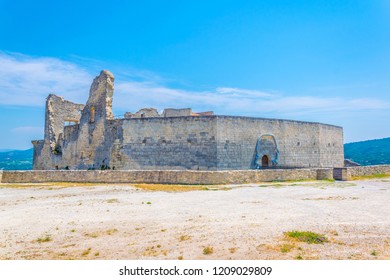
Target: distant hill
(369,152)
(16,160)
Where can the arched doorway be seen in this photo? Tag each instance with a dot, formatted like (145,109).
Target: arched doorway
(266,152)
(265,162)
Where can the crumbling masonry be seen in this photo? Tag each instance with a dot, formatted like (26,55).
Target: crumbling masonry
(89,137)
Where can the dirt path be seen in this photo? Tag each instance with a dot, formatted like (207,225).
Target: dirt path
(232,222)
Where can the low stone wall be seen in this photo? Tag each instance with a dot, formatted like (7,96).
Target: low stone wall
(347,173)
(165,177)
(368,170)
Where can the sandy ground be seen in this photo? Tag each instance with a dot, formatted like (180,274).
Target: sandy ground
(233,222)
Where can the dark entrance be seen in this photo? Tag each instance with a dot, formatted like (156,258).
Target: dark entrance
(265,162)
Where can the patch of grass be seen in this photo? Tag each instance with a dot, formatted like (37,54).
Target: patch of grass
(173,188)
(111,231)
(168,188)
(46,238)
(232,250)
(278,185)
(217,189)
(285,248)
(372,176)
(329,180)
(163,230)
(374,253)
(92,234)
(148,202)
(180,257)
(307,236)
(86,252)
(73,230)
(299,257)
(112,200)
(97,254)
(185,237)
(48,185)
(208,250)
(151,251)
(69,245)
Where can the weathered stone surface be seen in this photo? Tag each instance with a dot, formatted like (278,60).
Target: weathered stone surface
(177,140)
(58,113)
(177,112)
(347,173)
(190,177)
(143,113)
(357,171)
(159,177)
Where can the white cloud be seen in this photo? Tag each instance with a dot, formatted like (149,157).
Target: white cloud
(27,80)
(242,92)
(233,101)
(27,129)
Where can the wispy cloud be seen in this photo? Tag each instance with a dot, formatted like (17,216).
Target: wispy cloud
(242,92)
(28,129)
(237,101)
(26,80)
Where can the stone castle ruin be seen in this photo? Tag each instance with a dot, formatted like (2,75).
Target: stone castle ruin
(82,137)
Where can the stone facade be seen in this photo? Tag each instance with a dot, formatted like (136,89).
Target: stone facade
(177,139)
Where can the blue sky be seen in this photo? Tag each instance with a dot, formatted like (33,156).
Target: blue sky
(324,61)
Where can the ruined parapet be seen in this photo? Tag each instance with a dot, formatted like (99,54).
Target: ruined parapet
(201,114)
(92,141)
(153,113)
(59,111)
(169,112)
(99,104)
(143,113)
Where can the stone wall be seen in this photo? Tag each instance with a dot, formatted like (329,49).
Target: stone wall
(165,143)
(58,111)
(368,170)
(348,173)
(164,177)
(300,144)
(331,146)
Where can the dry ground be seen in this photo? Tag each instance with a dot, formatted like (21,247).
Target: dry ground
(67,221)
